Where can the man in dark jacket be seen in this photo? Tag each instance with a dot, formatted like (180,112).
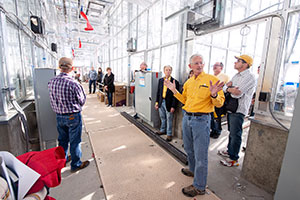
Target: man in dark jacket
(166,103)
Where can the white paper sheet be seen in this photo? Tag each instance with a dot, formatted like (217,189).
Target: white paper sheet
(4,174)
(27,176)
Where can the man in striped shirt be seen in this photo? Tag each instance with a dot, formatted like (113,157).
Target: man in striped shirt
(67,98)
(241,87)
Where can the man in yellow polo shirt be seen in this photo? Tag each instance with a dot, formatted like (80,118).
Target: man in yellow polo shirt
(201,93)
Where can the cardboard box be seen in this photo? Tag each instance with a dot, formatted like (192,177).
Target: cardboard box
(105,100)
(119,99)
(101,96)
(120,88)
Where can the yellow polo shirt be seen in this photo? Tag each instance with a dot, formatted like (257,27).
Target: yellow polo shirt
(196,94)
(165,88)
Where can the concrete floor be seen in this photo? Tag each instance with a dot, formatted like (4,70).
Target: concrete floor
(225,182)
(86,184)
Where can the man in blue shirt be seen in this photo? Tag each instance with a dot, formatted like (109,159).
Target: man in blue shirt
(92,80)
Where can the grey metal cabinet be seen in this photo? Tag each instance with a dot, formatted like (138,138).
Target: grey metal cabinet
(46,117)
(145,96)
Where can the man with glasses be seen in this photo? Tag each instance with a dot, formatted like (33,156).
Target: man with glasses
(216,127)
(201,93)
(241,87)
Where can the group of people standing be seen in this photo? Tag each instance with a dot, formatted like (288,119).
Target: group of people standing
(203,98)
(107,82)
(202,93)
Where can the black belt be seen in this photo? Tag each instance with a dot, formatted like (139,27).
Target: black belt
(69,113)
(196,114)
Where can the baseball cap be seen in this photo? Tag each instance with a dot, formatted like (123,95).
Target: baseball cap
(65,62)
(246,58)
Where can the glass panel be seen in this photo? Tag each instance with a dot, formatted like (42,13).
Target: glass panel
(133,30)
(288,82)
(229,67)
(153,60)
(154,25)
(170,30)
(220,39)
(124,17)
(111,48)
(9,5)
(125,70)
(136,60)
(238,11)
(170,27)
(120,45)
(142,32)
(28,65)
(169,57)
(14,64)
(34,7)
(133,12)
(119,18)
(115,48)
(295,2)
(217,55)
(23,11)
(124,41)
(235,40)
(203,50)
(260,39)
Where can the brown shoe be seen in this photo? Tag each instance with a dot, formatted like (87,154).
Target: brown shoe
(187,172)
(83,165)
(169,138)
(191,191)
(160,133)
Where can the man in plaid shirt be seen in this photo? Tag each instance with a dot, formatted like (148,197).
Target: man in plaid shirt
(67,98)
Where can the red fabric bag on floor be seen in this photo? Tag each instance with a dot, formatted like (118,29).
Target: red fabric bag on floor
(48,164)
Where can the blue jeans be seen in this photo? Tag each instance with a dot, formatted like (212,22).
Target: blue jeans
(235,127)
(110,98)
(196,141)
(69,127)
(92,82)
(166,119)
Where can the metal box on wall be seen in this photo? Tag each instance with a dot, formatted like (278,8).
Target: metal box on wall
(145,96)
(46,117)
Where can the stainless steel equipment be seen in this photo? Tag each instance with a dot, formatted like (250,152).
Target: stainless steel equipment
(145,96)
(46,117)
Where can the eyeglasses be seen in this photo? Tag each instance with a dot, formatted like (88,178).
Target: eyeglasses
(197,63)
(241,60)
